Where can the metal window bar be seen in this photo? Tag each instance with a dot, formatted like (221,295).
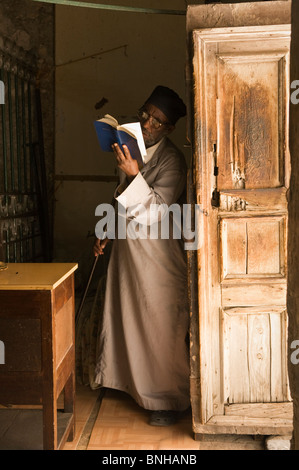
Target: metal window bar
(24,235)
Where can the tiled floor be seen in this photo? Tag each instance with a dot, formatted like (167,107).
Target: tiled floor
(123,425)
(111,420)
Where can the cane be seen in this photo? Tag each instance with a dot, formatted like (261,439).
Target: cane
(86,289)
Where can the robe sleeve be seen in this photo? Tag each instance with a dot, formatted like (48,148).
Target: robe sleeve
(148,204)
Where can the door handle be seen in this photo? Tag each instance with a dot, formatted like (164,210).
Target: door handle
(215,201)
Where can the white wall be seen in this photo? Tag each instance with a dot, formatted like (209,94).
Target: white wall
(138,52)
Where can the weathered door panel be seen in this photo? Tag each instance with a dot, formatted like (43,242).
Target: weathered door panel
(252,247)
(241,78)
(254,361)
(250,139)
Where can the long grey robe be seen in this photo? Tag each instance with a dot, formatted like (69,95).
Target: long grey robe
(142,345)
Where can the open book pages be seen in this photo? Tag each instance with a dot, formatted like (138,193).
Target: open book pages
(135,129)
(109,120)
(132,128)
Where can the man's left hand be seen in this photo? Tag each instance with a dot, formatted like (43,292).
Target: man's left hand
(125,162)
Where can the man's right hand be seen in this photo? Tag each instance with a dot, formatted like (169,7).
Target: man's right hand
(99,245)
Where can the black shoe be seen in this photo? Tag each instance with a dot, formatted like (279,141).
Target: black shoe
(163,418)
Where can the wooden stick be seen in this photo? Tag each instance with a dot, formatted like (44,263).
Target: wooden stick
(86,289)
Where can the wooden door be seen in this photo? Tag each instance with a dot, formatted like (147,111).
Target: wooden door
(241,83)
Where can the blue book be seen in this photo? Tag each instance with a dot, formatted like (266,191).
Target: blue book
(110,132)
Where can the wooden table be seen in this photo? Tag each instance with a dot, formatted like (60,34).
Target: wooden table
(37,330)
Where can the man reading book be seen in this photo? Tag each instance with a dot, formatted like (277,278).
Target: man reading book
(142,344)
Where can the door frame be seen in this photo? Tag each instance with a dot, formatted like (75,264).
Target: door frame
(203,422)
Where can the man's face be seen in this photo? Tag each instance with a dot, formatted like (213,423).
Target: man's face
(154,124)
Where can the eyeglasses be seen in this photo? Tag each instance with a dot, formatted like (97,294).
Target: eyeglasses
(144,116)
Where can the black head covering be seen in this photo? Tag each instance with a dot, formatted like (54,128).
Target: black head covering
(169,102)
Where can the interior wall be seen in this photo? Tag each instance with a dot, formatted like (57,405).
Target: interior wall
(117,57)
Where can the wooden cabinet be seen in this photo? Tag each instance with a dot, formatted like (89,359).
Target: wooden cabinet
(241,172)
(37,333)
